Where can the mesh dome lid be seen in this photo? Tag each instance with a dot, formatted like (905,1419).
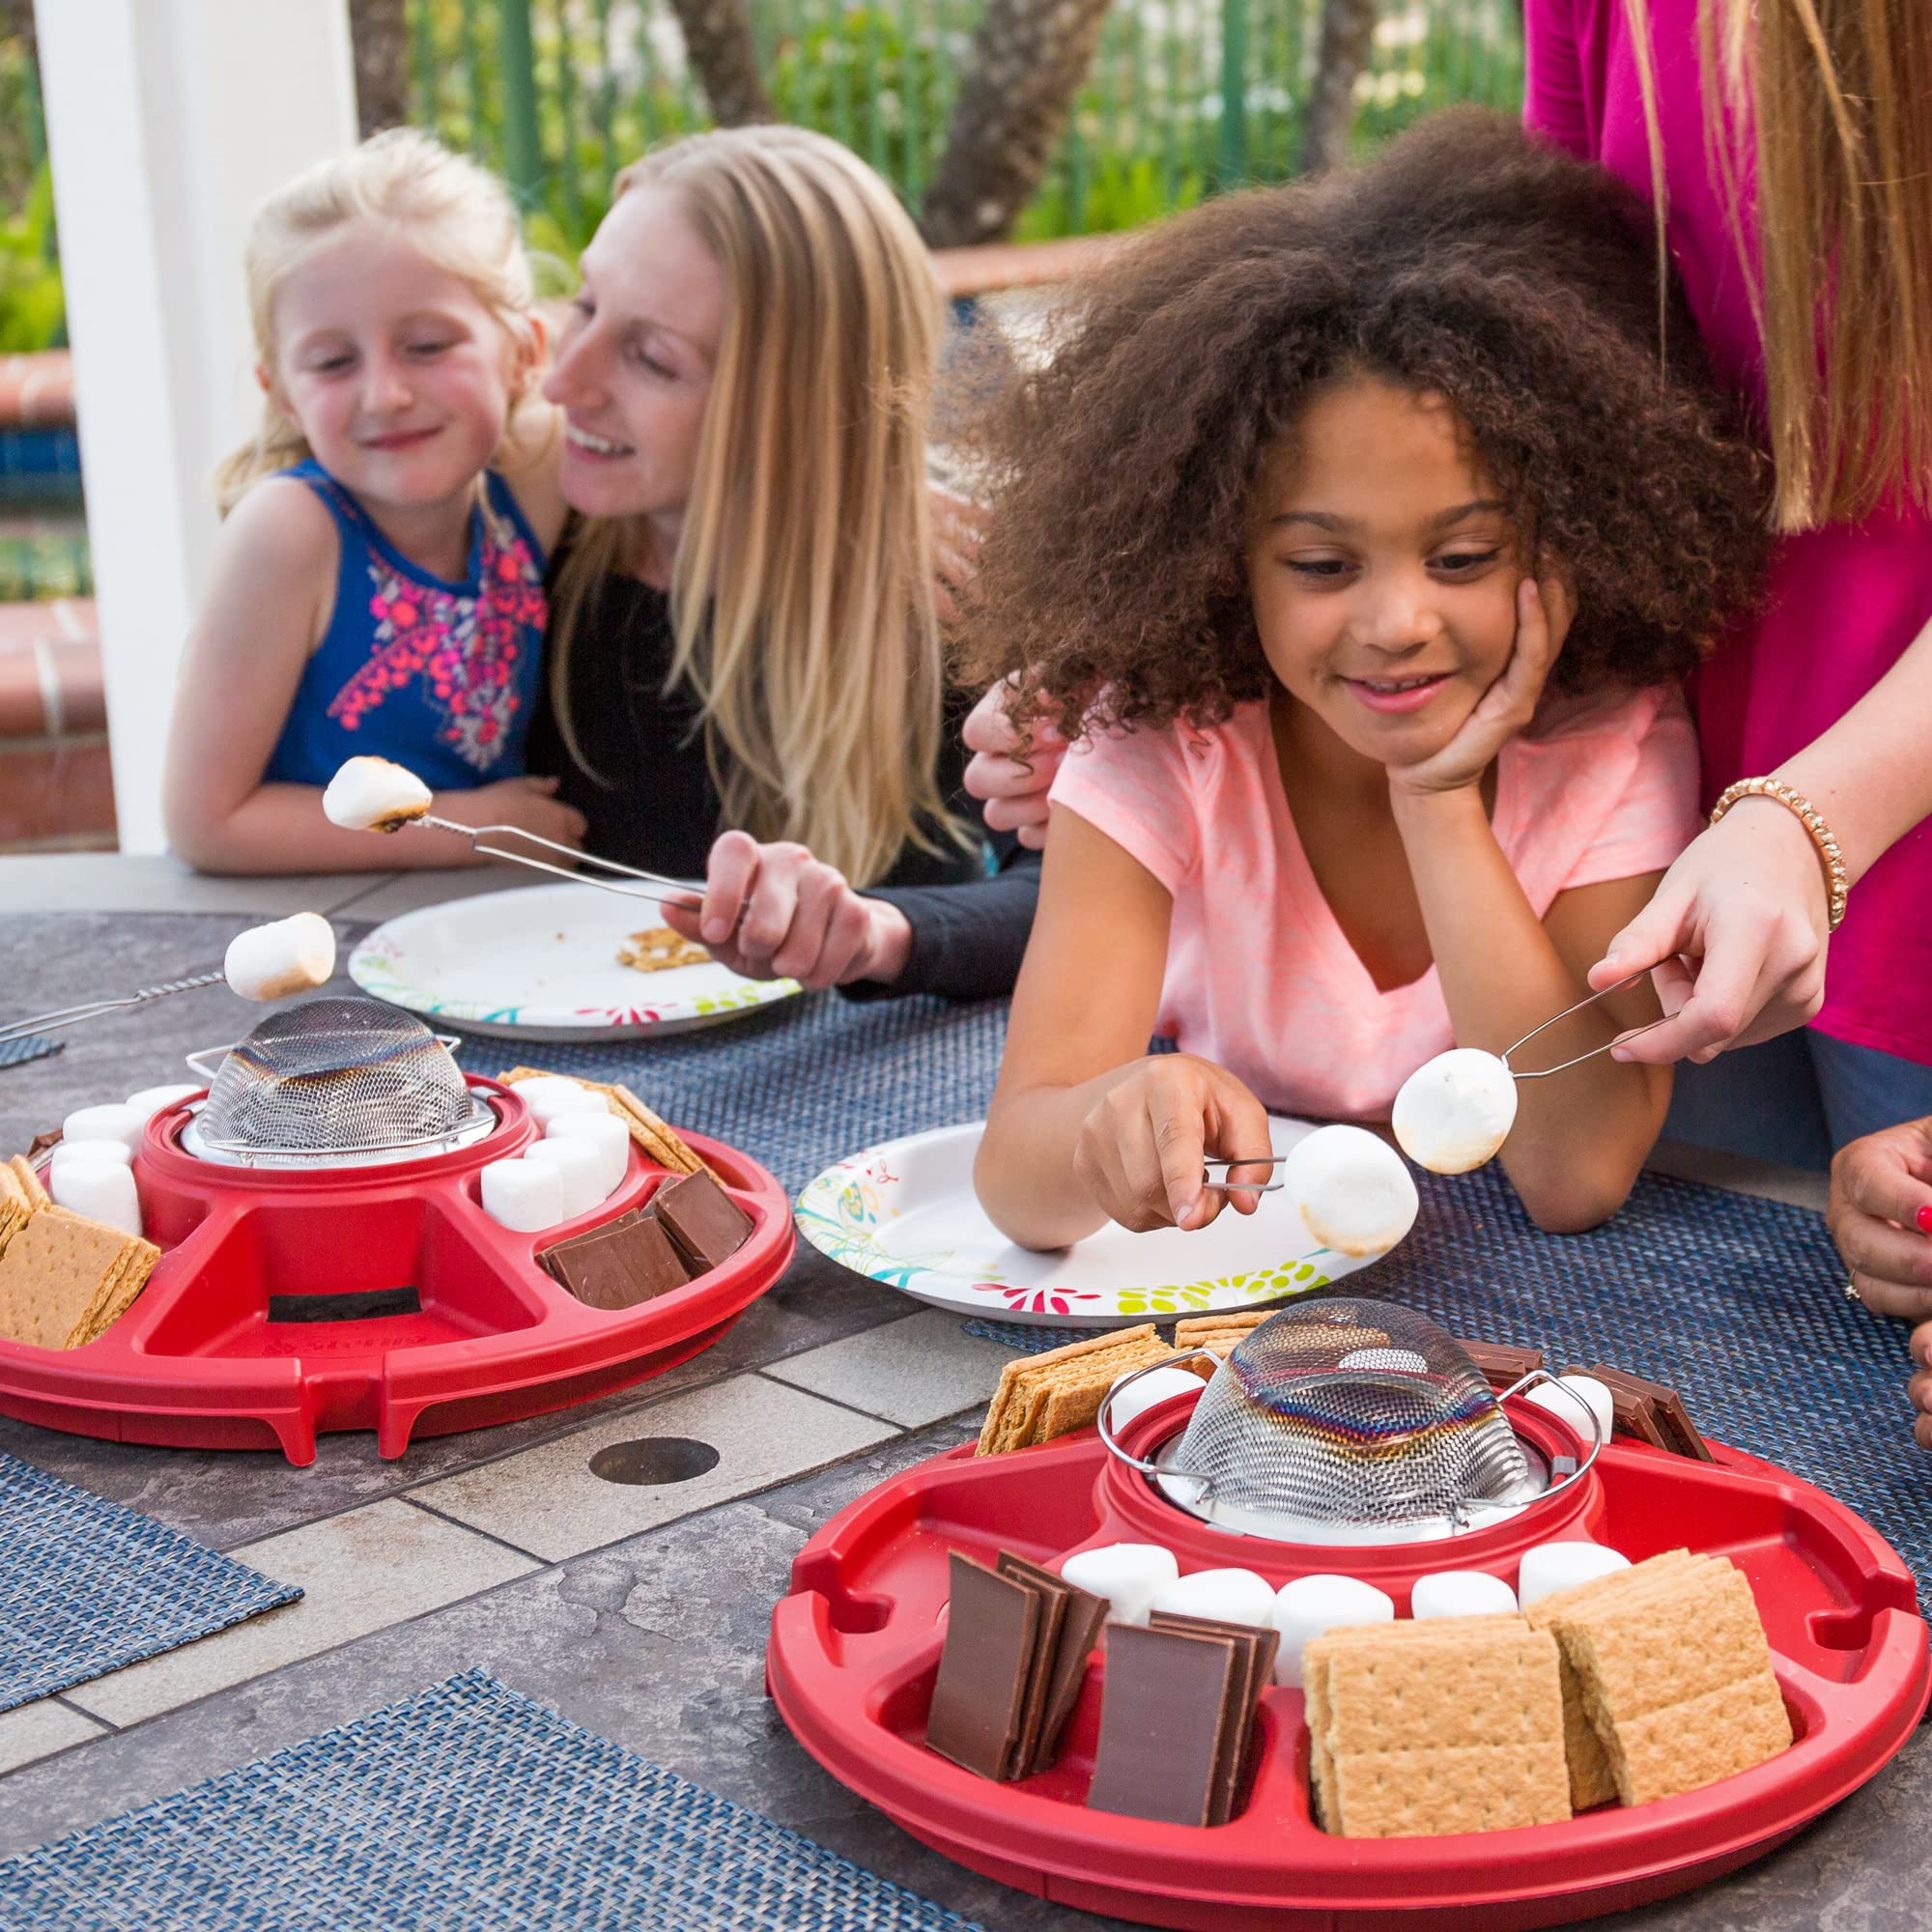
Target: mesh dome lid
(1354,1413)
(333,1076)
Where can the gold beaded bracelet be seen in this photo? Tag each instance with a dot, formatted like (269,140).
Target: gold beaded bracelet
(1837,882)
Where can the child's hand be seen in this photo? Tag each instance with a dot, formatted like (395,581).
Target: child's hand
(1543,614)
(531,804)
(1141,1149)
(1011,773)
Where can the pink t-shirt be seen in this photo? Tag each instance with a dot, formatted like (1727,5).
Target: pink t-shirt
(1844,602)
(1260,979)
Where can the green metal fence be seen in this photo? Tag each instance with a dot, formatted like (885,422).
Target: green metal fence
(1184,95)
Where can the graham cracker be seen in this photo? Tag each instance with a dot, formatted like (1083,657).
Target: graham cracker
(64,1279)
(30,1182)
(1676,1678)
(16,1206)
(1427,1792)
(1020,1405)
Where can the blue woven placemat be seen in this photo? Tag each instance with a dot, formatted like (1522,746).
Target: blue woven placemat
(30,1046)
(802,1083)
(466,1807)
(87,1585)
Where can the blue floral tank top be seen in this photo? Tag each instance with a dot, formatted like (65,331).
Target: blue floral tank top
(440,676)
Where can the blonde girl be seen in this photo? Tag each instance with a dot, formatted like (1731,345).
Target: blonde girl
(377,585)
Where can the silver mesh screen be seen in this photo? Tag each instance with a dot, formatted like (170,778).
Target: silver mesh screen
(334,1075)
(1351,1411)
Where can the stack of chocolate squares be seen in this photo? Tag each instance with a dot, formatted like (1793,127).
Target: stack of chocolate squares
(1040,1397)
(1650,1411)
(1176,1721)
(690,1225)
(1451,1725)
(1667,1679)
(1018,1638)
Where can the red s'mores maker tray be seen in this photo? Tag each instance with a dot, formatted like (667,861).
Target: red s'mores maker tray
(223,1350)
(855,1648)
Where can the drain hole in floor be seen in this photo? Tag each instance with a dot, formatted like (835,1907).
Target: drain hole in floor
(654,1458)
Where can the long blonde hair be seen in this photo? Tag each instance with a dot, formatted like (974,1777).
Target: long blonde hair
(800,594)
(459,215)
(1835,97)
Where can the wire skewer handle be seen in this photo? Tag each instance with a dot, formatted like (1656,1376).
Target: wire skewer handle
(693,889)
(1244,1187)
(67,1016)
(1544,1073)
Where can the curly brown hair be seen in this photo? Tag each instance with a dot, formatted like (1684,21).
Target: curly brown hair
(1465,260)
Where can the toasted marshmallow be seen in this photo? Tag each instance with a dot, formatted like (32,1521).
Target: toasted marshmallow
(291,955)
(1354,1192)
(374,795)
(1455,1111)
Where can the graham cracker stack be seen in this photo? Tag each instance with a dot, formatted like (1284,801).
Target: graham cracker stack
(66,1280)
(1417,1729)
(16,1204)
(655,1136)
(1219,1333)
(1043,1396)
(1675,1676)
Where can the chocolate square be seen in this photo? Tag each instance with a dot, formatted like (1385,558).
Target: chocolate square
(629,1262)
(703,1219)
(1064,1672)
(1258,1646)
(1631,1412)
(1673,1420)
(1502,1363)
(978,1697)
(1164,1722)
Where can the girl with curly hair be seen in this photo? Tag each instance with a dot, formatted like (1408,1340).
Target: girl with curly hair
(1358,537)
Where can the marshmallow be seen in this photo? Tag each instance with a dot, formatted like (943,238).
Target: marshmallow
(551,1096)
(1455,1111)
(604,1132)
(1229,1595)
(1354,1192)
(1153,1387)
(105,1124)
(1461,1593)
(66,1152)
(153,1100)
(522,1194)
(1311,1604)
(579,1173)
(104,1190)
(1561,1566)
(1560,1399)
(374,795)
(1404,1360)
(291,955)
(1129,1574)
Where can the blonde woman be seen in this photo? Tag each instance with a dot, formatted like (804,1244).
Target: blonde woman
(745,676)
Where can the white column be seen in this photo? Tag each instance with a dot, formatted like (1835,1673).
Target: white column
(167,122)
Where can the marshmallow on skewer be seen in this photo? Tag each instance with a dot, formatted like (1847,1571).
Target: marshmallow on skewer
(579,1172)
(104,1190)
(115,1122)
(289,955)
(374,795)
(1354,1192)
(1228,1595)
(1567,1398)
(1129,1574)
(1561,1566)
(604,1132)
(523,1195)
(1455,1111)
(1311,1604)
(1461,1593)
(1153,1387)
(552,1095)
(153,1100)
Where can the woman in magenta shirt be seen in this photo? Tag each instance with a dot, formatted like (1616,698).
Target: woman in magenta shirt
(1830,689)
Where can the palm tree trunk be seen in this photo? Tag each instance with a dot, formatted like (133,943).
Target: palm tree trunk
(723,53)
(1029,59)
(1348,27)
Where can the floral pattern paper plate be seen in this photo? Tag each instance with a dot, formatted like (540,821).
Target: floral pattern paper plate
(541,963)
(905,1213)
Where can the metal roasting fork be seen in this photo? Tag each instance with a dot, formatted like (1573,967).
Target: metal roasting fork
(1541,1073)
(474,832)
(67,1016)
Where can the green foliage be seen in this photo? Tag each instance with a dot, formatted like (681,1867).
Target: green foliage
(1118,192)
(33,310)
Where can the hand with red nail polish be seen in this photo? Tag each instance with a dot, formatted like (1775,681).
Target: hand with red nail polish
(1881,1217)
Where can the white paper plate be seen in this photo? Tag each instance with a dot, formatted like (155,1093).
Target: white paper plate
(905,1213)
(542,964)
